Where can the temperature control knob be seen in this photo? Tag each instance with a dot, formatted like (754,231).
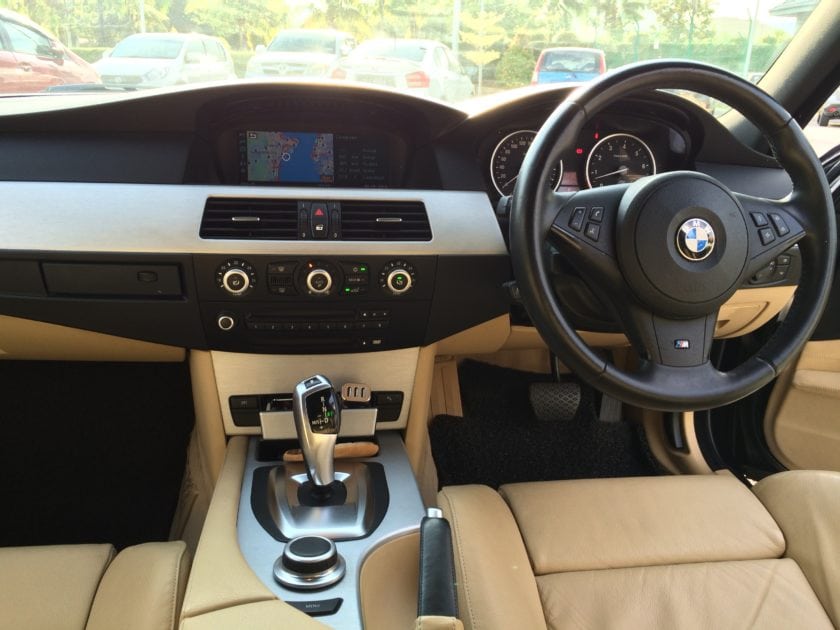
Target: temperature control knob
(319,281)
(237,277)
(397,277)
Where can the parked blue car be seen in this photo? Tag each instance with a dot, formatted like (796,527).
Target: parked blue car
(568,65)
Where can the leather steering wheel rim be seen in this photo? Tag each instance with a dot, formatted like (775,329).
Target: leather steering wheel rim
(665,380)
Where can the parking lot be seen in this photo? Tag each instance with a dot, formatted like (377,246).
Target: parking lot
(823,139)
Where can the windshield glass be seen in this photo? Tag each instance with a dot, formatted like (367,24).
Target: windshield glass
(148,48)
(468,48)
(304,43)
(391,49)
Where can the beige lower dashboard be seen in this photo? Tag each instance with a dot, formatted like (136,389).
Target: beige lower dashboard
(26,339)
(746,311)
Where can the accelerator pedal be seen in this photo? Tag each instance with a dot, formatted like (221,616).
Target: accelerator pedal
(554,402)
(610,409)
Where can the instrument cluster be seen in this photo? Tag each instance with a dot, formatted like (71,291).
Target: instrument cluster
(609,150)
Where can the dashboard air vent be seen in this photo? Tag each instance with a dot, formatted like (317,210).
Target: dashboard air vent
(384,221)
(249,218)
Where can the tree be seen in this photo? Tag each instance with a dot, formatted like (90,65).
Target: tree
(243,24)
(684,20)
(481,32)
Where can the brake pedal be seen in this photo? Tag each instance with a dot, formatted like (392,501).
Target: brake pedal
(553,402)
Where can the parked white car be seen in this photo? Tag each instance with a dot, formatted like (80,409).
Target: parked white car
(159,59)
(418,66)
(301,53)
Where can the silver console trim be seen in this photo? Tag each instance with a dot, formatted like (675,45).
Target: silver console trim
(280,425)
(405,512)
(165,218)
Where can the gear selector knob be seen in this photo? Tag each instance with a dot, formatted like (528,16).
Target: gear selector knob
(317,421)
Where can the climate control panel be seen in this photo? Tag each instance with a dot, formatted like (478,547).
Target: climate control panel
(315,303)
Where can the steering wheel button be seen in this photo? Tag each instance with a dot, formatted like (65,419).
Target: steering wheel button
(759,219)
(576,222)
(593,231)
(779,223)
(780,273)
(766,235)
(783,259)
(596,214)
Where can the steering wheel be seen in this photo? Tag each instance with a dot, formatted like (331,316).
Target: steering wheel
(670,249)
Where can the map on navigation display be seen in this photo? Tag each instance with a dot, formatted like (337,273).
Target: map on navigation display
(290,157)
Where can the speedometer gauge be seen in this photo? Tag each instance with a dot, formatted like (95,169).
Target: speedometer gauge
(617,159)
(507,160)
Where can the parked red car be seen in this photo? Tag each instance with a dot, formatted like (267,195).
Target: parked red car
(32,60)
(830,111)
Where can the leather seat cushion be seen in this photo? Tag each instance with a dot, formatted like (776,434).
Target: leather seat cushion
(590,524)
(50,588)
(765,594)
(84,587)
(662,552)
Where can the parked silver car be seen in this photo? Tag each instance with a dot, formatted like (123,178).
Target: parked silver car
(301,53)
(159,59)
(418,66)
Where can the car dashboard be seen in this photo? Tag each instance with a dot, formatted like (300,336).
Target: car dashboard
(310,218)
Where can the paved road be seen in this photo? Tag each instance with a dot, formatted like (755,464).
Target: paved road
(823,139)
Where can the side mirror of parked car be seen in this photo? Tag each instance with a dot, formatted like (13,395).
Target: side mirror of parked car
(259,49)
(51,52)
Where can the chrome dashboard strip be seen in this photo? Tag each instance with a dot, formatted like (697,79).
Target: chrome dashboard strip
(95,217)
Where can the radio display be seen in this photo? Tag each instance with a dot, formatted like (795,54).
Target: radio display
(313,159)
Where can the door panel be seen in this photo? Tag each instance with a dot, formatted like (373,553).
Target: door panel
(802,424)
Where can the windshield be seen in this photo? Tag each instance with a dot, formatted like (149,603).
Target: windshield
(148,48)
(304,43)
(472,48)
(391,49)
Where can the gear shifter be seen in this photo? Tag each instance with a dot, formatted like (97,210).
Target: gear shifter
(317,420)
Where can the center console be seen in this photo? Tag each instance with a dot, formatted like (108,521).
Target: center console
(337,605)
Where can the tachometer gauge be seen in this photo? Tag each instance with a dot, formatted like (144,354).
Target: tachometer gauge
(507,160)
(617,159)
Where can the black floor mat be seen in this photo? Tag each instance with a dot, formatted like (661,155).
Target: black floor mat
(500,441)
(91,452)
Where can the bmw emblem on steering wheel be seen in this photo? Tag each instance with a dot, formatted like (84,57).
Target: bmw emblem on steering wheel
(695,240)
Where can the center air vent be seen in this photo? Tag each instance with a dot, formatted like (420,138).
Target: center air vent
(289,219)
(384,221)
(250,219)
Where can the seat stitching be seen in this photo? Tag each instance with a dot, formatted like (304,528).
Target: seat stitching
(461,560)
(174,598)
(764,595)
(112,553)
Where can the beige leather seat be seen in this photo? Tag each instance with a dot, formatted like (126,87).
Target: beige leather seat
(664,552)
(76,587)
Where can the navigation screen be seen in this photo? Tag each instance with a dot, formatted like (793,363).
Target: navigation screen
(315,159)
